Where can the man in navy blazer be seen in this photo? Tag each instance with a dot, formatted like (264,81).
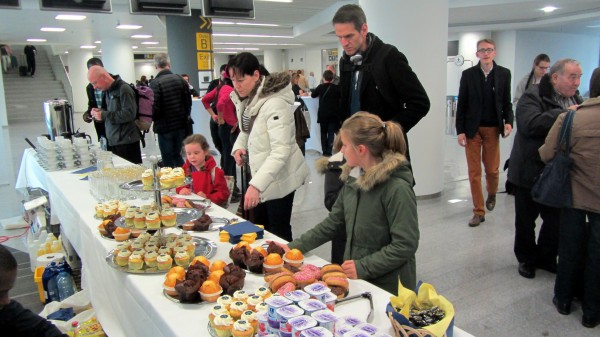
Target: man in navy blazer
(484,112)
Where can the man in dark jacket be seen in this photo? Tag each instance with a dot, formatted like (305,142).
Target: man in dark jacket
(30,52)
(375,76)
(96,99)
(14,319)
(329,111)
(483,113)
(537,110)
(171,110)
(119,116)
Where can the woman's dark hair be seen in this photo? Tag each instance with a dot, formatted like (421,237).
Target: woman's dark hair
(595,83)
(541,58)
(245,64)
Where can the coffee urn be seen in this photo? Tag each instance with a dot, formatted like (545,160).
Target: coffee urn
(58,114)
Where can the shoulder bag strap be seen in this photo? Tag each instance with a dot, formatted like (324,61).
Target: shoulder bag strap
(564,141)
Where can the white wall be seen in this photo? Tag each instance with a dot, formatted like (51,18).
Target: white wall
(311,59)
(144,68)
(583,48)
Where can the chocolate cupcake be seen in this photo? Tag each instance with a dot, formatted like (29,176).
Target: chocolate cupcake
(188,291)
(274,248)
(254,262)
(231,283)
(239,255)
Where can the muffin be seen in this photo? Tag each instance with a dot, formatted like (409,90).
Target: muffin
(210,291)
(239,253)
(151,259)
(237,308)
(121,234)
(242,328)
(273,263)
(200,259)
(139,220)
(168,218)
(215,276)
(254,261)
(294,257)
(152,220)
(102,229)
(147,178)
(217,265)
(164,262)
(122,258)
(223,325)
(169,284)
(182,259)
(136,262)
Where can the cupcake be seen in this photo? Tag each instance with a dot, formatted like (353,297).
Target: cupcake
(240,295)
(252,301)
(151,259)
(237,308)
(99,210)
(137,244)
(147,178)
(129,217)
(182,258)
(225,301)
(214,312)
(223,325)
(263,292)
(152,220)
(294,257)
(262,306)
(136,262)
(200,259)
(273,263)
(166,181)
(250,317)
(139,220)
(121,246)
(179,176)
(216,275)
(164,250)
(102,229)
(242,328)
(146,208)
(164,261)
(121,234)
(239,253)
(145,237)
(217,265)
(188,226)
(123,208)
(150,247)
(123,258)
(139,251)
(168,218)
(164,170)
(254,261)
(210,291)
(169,284)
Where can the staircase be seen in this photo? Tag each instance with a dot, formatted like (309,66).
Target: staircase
(25,95)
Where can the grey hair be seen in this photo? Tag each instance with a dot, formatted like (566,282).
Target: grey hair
(162,60)
(559,66)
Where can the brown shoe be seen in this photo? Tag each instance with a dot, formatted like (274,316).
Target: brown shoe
(476,220)
(490,203)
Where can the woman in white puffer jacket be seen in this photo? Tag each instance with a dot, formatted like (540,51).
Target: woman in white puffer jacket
(267,135)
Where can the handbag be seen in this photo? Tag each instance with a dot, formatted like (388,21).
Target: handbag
(553,186)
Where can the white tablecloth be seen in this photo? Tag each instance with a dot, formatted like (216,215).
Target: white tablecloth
(314,142)
(133,305)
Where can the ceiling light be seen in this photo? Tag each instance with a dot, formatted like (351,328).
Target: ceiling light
(134,47)
(257,44)
(98,42)
(157,47)
(236,48)
(141,36)
(36,40)
(66,51)
(549,9)
(149,42)
(52,29)
(70,17)
(276,0)
(254,35)
(223,23)
(594,26)
(87,47)
(120,26)
(256,24)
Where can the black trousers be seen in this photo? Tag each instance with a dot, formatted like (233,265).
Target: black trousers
(31,65)
(130,152)
(214,134)
(276,215)
(545,251)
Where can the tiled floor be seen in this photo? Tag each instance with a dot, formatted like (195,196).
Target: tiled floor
(474,268)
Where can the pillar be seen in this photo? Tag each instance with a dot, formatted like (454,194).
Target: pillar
(419,29)
(3,112)
(78,75)
(273,60)
(117,57)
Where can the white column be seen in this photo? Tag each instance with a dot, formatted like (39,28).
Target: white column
(274,60)
(78,74)
(117,57)
(3,113)
(419,29)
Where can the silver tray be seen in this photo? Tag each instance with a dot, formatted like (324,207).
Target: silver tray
(183,215)
(137,185)
(176,300)
(216,224)
(204,247)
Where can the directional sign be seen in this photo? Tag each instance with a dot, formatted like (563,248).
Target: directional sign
(206,23)
(203,42)
(205,60)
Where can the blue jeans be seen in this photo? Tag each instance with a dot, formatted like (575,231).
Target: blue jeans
(579,255)
(170,144)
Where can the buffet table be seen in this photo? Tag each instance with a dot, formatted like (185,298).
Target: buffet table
(134,305)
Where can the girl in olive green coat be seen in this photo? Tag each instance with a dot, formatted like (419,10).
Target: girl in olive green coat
(377,206)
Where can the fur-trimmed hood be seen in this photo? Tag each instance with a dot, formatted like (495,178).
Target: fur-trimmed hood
(393,164)
(334,162)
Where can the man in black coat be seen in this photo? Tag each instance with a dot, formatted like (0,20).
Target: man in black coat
(30,52)
(484,112)
(328,116)
(375,76)
(537,110)
(96,99)
(171,110)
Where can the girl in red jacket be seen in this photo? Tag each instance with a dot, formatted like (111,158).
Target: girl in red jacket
(208,181)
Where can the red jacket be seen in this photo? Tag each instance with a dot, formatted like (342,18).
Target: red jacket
(224,104)
(215,189)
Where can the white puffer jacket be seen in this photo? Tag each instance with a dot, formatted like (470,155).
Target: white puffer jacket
(276,162)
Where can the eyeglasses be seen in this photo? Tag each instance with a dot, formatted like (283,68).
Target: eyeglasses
(486,50)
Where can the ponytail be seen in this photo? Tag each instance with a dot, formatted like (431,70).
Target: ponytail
(379,137)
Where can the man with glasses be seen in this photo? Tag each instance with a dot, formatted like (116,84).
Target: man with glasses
(537,110)
(484,112)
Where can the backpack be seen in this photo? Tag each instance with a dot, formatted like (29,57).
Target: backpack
(144,97)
